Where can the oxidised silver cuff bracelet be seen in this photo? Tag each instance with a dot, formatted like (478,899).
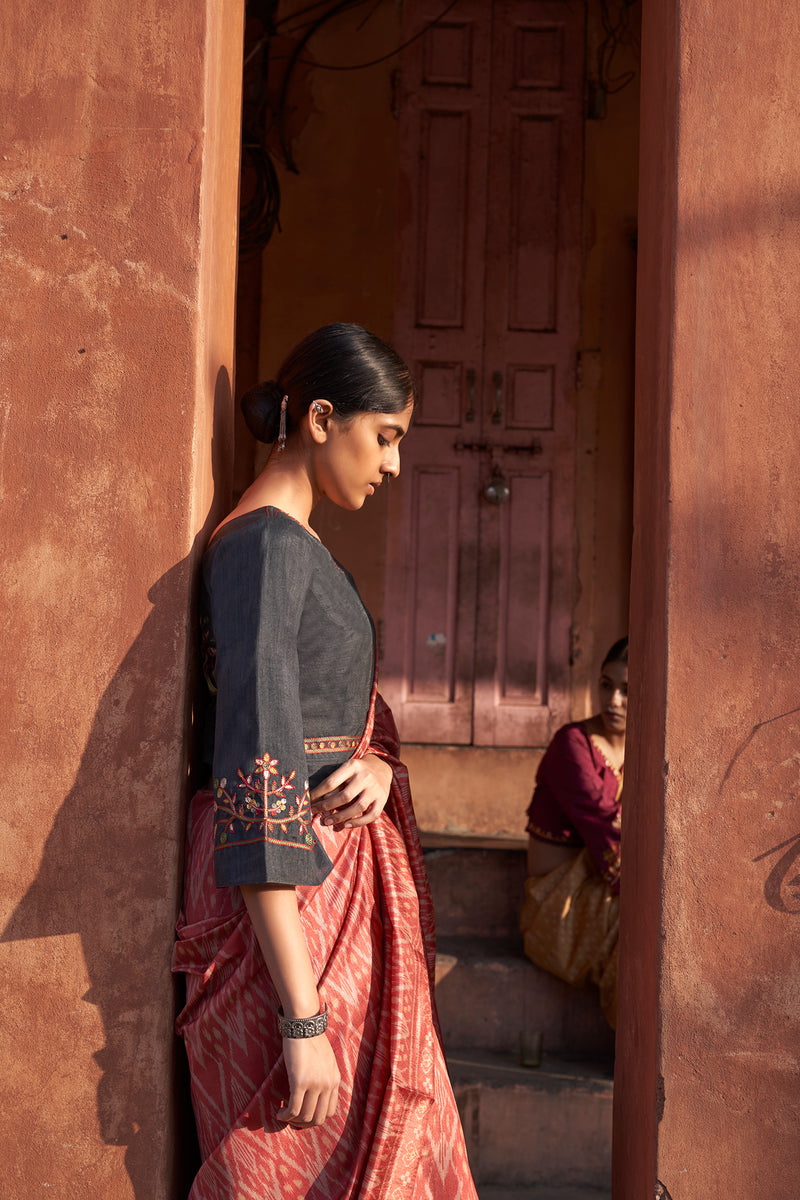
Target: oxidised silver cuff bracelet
(303,1027)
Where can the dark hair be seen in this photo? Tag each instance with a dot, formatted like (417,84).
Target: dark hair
(617,653)
(344,364)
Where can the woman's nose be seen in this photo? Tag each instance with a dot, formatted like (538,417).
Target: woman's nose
(391,463)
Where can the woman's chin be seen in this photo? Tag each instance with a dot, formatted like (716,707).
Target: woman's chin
(348,503)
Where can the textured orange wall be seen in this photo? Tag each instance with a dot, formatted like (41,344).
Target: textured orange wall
(710,1007)
(118,195)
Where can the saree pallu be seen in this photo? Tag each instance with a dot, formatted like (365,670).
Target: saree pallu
(396,1134)
(570,927)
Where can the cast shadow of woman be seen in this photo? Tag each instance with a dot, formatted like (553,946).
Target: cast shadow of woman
(111,871)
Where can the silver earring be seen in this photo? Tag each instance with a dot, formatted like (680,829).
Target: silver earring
(317,407)
(282,425)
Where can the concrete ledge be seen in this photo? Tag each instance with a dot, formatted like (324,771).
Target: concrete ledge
(549,1127)
(489,995)
(477,893)
(491,1192)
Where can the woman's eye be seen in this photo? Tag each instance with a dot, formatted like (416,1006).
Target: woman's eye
(382,440)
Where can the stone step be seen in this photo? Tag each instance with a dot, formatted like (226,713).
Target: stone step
(548,1127)
(476,892)
(490,996)
(545,1193)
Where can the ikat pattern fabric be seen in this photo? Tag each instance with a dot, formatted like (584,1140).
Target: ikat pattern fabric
(396,1134)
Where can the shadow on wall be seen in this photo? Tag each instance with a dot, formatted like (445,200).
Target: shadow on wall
(111,871)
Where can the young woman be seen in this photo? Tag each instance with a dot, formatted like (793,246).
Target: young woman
(306,933)
(570,918)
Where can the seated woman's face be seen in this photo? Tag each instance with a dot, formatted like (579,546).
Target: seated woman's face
(614,697)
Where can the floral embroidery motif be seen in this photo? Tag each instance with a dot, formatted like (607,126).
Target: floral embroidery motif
(330,745)
(263,808)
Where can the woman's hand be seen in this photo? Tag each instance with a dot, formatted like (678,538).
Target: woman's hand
(313,1081)
(354,794)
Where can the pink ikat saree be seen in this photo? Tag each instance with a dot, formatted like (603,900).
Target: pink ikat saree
(369,928)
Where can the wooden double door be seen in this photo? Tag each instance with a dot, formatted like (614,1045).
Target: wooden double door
(480,549)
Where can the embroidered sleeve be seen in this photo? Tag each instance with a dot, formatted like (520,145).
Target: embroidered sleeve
(588,794)
(257,581)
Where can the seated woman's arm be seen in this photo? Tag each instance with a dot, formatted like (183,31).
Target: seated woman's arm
(586,797)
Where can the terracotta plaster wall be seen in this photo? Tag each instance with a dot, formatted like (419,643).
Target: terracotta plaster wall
(710,1005)
(118,192)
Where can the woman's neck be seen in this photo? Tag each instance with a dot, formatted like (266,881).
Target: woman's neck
(613,742)
(283,483)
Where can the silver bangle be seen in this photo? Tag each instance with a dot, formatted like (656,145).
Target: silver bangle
(303,1027)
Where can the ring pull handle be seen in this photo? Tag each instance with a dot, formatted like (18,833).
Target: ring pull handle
(471,383)
(497,415)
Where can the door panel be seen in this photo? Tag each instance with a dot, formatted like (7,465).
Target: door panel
(433,591)
(442,189)
(532,252)
(477,638)
(512,641)
(427,664)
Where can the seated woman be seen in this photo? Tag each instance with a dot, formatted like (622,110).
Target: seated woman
(570,918)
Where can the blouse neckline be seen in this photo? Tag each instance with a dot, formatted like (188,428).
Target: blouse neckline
(617,771)
(266,510)
(283,513)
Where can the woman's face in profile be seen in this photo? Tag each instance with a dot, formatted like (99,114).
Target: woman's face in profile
(358,454)
(614,697)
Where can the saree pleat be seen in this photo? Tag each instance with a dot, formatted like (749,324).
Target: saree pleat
(396,1134)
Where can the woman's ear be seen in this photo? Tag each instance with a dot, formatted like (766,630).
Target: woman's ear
(318,417)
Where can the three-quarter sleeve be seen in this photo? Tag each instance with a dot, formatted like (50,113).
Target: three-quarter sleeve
(587,794)
(257,580)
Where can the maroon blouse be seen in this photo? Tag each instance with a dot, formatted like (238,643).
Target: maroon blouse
(576,801)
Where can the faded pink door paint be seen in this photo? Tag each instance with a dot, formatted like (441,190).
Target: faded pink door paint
(479,595)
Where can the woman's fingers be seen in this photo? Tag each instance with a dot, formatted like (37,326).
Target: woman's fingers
(333,1100)
(313,1081)
(353,815)
(334,781)
(354,794)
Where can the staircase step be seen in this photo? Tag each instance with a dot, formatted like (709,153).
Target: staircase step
(546,1193)
(489,995)
(545,1127)
(476,892)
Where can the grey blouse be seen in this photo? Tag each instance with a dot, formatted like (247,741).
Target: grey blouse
(289,651)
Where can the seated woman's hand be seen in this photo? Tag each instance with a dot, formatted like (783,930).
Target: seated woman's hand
(313,1081)
(354,794)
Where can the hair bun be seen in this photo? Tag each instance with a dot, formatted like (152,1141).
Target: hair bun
(261,406)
